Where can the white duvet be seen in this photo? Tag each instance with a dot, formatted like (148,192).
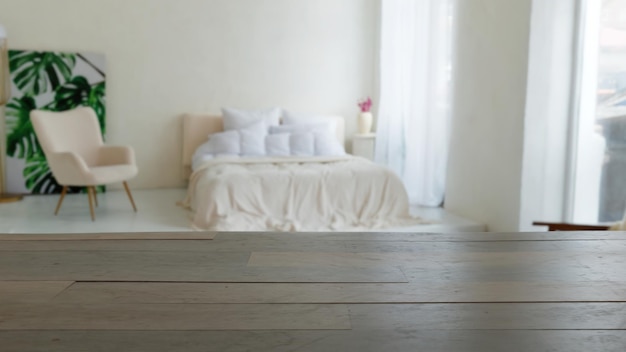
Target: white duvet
(296,194)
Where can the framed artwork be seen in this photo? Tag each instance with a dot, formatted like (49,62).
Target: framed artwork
(52,81)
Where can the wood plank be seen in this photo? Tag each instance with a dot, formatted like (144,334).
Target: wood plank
(316,341)
(358,246)
(429,237)
(319,236)
(172,245)
(311,245)
(31,291)
(171,266)
(484,292)
(122,236)
(173,317)
(614,259)
(489,316)
(554,272)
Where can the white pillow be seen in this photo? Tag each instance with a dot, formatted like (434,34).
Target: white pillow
(277,144)
(308,127)
(248,141)
(252,139)
(327,145)
(223,143)
(199,157)
(302,144)
(228,142)
(290,118)
(236,119)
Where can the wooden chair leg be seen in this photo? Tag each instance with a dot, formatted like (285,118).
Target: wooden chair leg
(130,196)
(90,194)
(63,193)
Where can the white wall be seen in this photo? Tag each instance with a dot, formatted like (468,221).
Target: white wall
(167,57)
(491,65)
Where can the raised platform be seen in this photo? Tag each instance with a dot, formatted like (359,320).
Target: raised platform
(158,212)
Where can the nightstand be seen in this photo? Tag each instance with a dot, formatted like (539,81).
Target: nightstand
(363,145)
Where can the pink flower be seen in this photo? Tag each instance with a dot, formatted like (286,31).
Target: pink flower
(365,105)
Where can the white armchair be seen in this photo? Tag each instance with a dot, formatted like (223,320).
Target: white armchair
(77,156)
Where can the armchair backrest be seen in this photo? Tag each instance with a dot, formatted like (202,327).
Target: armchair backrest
(74,130)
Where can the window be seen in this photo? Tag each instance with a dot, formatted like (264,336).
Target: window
(599,158)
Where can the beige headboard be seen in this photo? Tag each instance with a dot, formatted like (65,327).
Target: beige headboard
(197,127)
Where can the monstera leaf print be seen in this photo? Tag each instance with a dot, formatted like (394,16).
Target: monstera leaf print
(36,72)
(47,81)
(78,92)
(97,103)
(39,178)
(21,140)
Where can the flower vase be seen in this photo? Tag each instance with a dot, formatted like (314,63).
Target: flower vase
(365,122)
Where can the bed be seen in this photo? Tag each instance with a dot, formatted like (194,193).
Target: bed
(322,193)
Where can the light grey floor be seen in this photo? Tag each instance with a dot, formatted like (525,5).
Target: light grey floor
(158,212)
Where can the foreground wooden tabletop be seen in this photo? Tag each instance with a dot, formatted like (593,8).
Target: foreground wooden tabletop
(314,292)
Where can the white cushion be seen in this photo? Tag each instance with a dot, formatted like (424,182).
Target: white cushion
(311,139)
(223,143)
(302,144)
(253,139)
(290,118)
(248,141)
(302,128)
(236,119)
(228,142)
(326,144)
(199,157)
(277,144)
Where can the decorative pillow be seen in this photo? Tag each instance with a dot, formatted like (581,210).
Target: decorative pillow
(228,142)
(252,139)
(302,144)
(199,157)
(236,119)
(277,144)
(248,141)
(327,145)
(223,143)
(290,118)
(302,128)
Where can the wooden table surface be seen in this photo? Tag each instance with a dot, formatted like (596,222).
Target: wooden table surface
(315,292)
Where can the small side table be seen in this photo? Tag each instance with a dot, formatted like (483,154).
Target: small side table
(363,145)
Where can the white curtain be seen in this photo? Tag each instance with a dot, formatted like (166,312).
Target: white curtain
(415,75)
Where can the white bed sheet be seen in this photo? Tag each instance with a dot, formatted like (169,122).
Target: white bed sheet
(343,193)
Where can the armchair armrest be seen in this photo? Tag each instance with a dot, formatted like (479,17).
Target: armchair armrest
(68,168)
(116,155)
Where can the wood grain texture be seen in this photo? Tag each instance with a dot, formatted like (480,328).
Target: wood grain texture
(429,237)
(31,291)
(316,341)
(243,293)
(317,292)
(436,260)
(354,245)
(173,317)
(171,266)
(490,316)
(125,236)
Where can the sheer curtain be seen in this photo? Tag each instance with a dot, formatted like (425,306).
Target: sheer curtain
(415,76)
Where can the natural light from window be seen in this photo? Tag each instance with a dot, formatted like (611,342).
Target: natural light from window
(601,151)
